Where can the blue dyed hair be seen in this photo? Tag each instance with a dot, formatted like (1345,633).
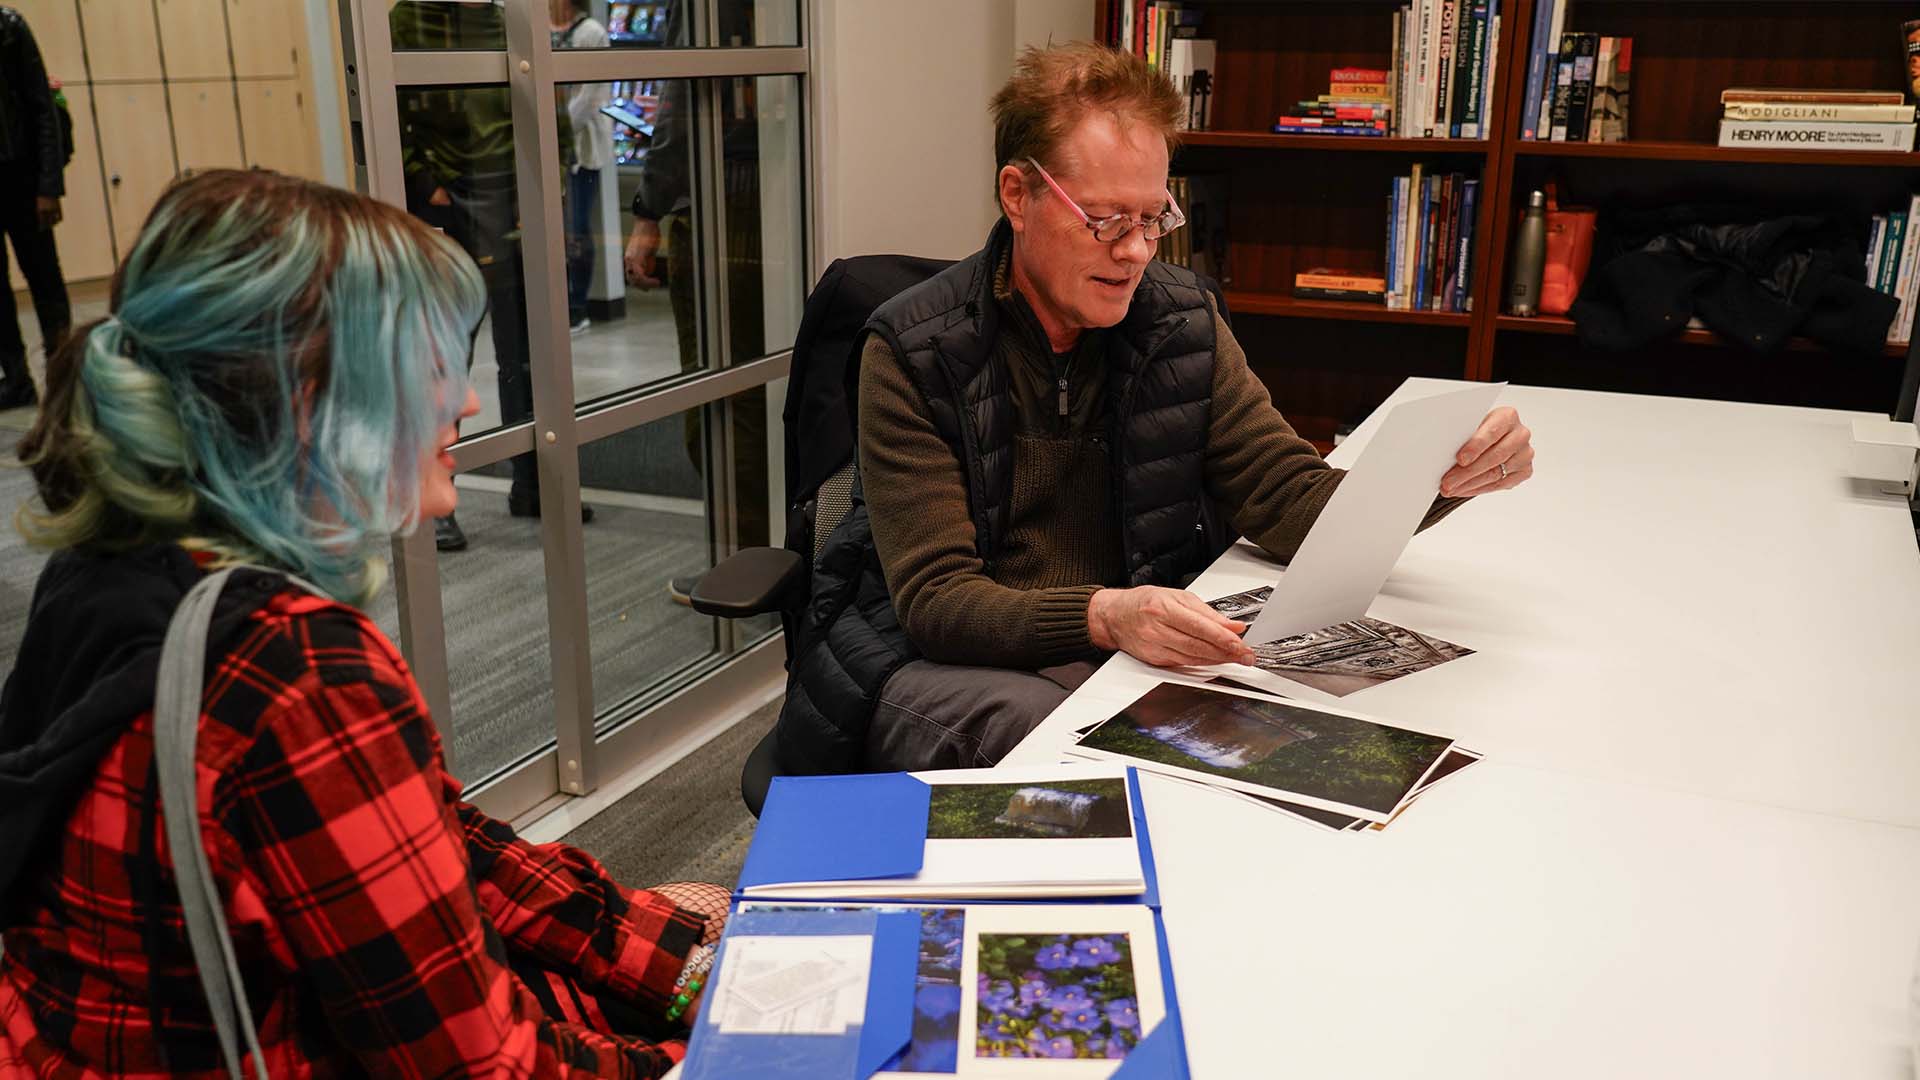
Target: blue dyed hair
(279,360)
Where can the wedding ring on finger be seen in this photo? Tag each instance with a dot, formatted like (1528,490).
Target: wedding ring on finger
(1503,470)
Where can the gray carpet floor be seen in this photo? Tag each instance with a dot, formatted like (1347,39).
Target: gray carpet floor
(687,824)
(494,596)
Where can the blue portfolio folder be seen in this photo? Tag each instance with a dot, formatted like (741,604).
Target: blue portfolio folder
(840,828)
(855,1054)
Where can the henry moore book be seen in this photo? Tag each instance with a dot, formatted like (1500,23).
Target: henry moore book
(1816,135)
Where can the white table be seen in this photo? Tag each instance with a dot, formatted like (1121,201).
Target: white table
(1694,847)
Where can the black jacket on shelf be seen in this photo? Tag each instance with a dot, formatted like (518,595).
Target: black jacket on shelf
(1757,282)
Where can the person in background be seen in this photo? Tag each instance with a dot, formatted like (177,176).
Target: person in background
(280,374)
(34,149)
(661,249)
(457,153)
(592,150)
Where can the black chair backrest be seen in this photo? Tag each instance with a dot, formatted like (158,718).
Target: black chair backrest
(819,414)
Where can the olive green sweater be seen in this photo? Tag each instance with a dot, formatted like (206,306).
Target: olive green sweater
(1063,541)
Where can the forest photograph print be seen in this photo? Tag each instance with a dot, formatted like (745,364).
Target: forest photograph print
(1056,996)
(1053,810)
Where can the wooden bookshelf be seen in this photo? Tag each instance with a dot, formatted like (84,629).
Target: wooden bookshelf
(1328,361)
(1250,303)
(1267,140)
(1652,150)
(1553,324)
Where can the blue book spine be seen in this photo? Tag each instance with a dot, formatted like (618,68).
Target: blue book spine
(1462,282)
(1421,256)
(1536,68)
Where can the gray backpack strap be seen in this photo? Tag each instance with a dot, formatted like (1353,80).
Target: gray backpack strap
(176,731)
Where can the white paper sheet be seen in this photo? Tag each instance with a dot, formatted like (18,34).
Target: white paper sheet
(793,985)
(1361,532)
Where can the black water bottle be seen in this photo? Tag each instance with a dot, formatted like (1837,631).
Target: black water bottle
(1529,257)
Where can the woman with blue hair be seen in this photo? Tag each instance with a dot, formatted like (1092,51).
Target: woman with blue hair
(276,388)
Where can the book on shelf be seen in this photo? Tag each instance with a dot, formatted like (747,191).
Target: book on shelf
(1462,297)
(1148,28)
(1310,292)
(1342,109)
(1471,71)
(1802,95)
(1331,122)
(1200,246)
(1440,79)
(1326,283)
(1324,277)
(1817,111)
(1411,187)
(1816,135)
(1442,101)
(1548,42)
(1586,56)
(1876,244)
(1359,94)
(1612,91)
(1562,98)
(1429,241)
(1190,65)
(1906,280)
(1307,129)
(1347,76)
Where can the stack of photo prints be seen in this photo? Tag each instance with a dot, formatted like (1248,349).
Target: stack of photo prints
(1328,767)
(1009,984)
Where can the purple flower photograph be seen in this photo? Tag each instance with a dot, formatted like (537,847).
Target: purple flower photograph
(1056,996)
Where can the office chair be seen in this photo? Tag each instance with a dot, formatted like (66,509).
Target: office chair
(819,418)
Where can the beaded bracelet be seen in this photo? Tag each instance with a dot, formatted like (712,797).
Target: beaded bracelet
(692,977)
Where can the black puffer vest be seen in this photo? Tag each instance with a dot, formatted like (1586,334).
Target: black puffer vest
(1160,386)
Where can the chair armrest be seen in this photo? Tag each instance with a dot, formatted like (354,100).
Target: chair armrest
(751,581)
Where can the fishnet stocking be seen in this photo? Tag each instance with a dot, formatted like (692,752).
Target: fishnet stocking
(704,899)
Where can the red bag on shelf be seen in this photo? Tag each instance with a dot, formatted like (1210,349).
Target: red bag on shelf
(1569,250)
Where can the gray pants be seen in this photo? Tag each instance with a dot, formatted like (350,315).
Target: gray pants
(945,716)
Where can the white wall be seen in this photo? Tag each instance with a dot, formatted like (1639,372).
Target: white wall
(905,142)
(1037,21)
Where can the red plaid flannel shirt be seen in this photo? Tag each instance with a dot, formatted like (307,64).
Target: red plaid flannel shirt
(371,909)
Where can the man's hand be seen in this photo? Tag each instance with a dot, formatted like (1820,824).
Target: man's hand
(1165,627)
(48,210)
(642,246)
(1501,440)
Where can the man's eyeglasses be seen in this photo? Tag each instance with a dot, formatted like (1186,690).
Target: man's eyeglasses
(1110,230)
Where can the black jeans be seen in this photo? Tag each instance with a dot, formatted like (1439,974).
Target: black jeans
(583,202)
(40,263)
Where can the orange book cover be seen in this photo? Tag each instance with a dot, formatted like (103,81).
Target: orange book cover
(1321,277)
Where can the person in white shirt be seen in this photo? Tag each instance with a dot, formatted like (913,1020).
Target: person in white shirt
(574,28)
